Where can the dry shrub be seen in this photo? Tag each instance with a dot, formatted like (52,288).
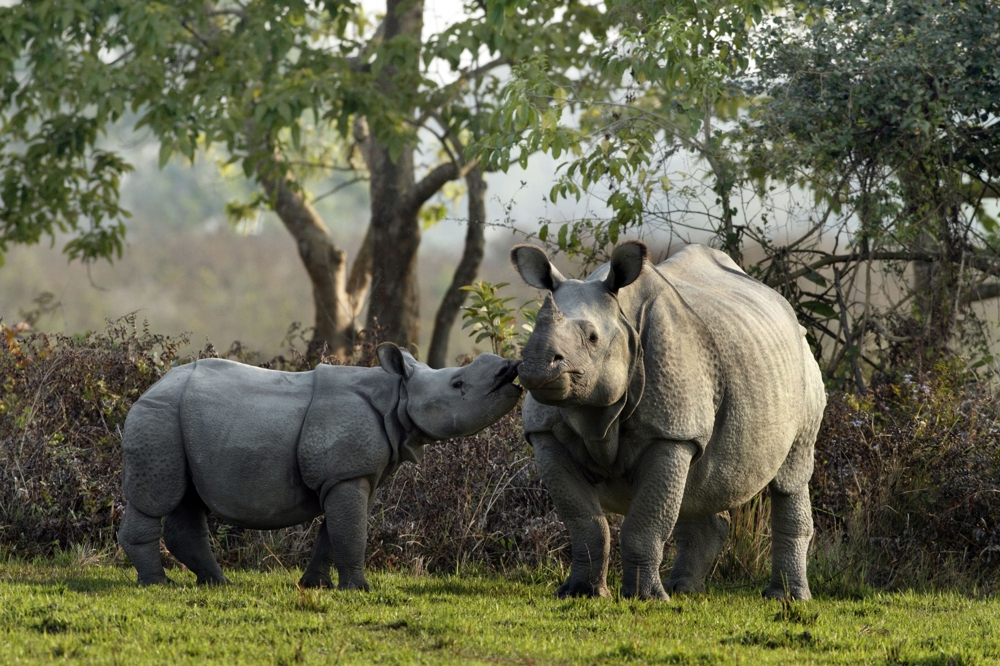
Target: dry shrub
(906,490)
(472,500)
(63,402)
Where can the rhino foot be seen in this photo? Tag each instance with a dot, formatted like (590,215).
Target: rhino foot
(212,580)
(573,588)
(316,581)
(361,586)
(795,592)
(684,586)
(155,580)
(647,593)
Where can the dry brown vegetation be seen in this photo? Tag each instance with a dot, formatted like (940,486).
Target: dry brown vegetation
(906,490)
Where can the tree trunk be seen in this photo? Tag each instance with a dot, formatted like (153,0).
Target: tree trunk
(325,263)
(465,273)
(395,228)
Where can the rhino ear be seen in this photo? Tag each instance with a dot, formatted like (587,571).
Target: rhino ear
(390,357)
(626,264)
(534,267)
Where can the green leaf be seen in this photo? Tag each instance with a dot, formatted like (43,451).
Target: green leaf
(166,150)
(820,308)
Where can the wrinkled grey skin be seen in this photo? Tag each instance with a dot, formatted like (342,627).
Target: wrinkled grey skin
(265,449)
(669,394)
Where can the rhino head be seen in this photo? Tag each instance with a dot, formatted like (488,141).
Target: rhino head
(583,351)
(453,402)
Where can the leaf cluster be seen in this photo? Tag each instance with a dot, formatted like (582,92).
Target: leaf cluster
(489,317)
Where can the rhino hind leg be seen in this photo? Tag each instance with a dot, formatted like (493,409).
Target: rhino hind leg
(317,574)
(699,542)
(185,533)
(791,532)
(139,536)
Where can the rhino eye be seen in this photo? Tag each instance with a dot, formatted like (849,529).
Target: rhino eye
(593,336)
(457,384)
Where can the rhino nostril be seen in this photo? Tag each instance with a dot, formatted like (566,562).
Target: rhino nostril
(557,358)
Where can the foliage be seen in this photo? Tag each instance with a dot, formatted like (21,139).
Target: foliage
(907,481)
(887,112)
(95,614)
(63,401)
(673,68)
(858,153)
(490,318)
(475,501)
(288,91)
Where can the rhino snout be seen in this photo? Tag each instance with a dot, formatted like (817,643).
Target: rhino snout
(536,375)
(505,375)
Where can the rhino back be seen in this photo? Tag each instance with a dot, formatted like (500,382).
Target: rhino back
(154,472)
(241,429)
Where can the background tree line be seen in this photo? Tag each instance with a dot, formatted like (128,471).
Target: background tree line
(846,153)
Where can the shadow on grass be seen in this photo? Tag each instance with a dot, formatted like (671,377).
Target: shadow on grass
(452,586)
(72,580)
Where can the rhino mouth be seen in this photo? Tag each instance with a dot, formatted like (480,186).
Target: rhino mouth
(506,377)
(551,384)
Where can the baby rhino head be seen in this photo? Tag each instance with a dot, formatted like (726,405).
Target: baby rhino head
(454,402)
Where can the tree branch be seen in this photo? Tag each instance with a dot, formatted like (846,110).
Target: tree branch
(983,292)
(847,258)
(428,186)
(346,183)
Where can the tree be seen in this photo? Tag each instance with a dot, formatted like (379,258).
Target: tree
(882,114)
(888,111)
(289,90)
(674,66)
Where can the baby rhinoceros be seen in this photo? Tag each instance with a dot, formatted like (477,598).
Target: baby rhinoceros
(264,449)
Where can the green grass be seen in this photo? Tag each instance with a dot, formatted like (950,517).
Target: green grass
(98,615)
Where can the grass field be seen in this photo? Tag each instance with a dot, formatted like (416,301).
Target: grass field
(98,615)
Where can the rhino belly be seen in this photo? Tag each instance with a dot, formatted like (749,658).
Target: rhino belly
(241,428)
(737,464)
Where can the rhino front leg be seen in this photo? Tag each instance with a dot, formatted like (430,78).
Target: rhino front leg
(791,532)
(578,506)
(346,509)
(317,574)
(699,541)
(139,536)
(657,491)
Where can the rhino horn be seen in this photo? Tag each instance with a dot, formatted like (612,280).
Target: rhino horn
(549,311)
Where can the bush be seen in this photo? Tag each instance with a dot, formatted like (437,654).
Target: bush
(63,404)
(906,490)
(63,401)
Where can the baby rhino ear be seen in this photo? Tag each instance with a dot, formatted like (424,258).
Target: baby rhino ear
(390,357)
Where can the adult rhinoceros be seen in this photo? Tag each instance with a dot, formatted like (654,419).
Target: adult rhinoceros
(669,394)
(266,449)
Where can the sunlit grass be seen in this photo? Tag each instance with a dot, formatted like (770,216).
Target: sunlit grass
(98,615)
